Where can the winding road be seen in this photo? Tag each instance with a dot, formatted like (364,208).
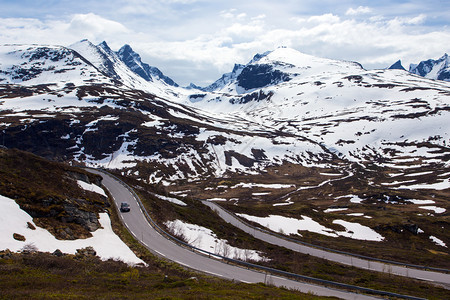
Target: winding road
(139,226)
(332,256)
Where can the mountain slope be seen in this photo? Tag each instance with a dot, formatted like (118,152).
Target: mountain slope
(134,62)
(278,66)
(111,64)
(434,69)
(397,66)
(53,193)
(339,105)
(287,133)
(284,106)
(33,65)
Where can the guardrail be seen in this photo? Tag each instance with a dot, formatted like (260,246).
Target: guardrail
(272,271)
(426,268)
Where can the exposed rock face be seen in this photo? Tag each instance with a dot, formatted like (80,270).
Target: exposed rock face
(134,62)
(51,194)
(85,252)
(434,69)
(397,66)
(84,218)
(257,76)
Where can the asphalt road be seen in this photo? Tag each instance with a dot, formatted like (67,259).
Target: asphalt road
(138,225)
(336,257)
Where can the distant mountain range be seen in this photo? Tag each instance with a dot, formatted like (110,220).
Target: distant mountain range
(433,69)
(92,105)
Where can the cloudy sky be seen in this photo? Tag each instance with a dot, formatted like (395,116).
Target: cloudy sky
(198,40)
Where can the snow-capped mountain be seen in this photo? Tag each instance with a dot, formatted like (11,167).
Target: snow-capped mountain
(116,66)
(225,79)
(276,67)
(286,129)
(33,65)
(363,116)
(134,62)
(434,69)
(282,107)
(397,66)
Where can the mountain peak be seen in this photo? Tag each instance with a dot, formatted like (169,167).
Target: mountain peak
(433,69)
(397,66)
(126,48)
(82,43)
(133,60)
(105,47)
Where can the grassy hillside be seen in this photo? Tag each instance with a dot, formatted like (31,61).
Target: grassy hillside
(386,210)
(49,192)
(46,190)
(44,276)
(33,181)
(280,258)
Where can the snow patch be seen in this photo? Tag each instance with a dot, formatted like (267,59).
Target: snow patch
(205,239)
(170,199)
(289,226)
(438,210)
(262,185)
(329,210)
(91,187)
(104,241)
(437,241)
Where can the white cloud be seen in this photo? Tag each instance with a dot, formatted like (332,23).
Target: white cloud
(418,20)
(94,25)
(259,17)
(232,14)
(201,53)
(326,18)
(179,1)
(358,11)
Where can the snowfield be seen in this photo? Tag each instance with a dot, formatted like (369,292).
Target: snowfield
(289,226)
(205,239)
(91,187)
(104,241)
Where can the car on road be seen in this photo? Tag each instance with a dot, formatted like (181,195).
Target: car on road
(124,207)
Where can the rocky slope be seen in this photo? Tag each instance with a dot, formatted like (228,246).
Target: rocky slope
(286,133)
(53,194)
(434,69)
(86,104)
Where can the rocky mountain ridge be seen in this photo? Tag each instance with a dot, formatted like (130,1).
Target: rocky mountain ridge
(287,134)
(86,104)
(433,69)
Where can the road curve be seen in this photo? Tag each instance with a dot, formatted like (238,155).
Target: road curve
(138,225)
(336,257)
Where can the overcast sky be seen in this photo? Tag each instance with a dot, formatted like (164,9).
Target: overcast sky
(198,40)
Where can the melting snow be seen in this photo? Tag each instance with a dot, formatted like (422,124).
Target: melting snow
(420,201)
(288,226)
(287,202)
(445,184)
(173,200)
(438,210)
(261,194)
(438,241)
(353,198)
(419,174)
(205,239)
(262,185)
(358,231)
(216,199)
(91,187)
(105,242)
(328,210)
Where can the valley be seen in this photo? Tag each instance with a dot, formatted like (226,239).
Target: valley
(318,150)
